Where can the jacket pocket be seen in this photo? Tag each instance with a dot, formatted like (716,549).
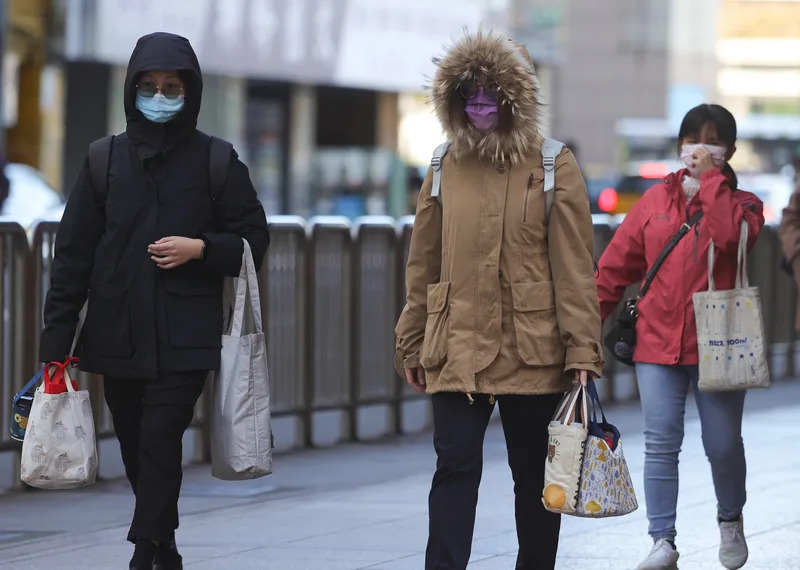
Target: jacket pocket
(107,330)
(194,313)
(434,346)
(538,338)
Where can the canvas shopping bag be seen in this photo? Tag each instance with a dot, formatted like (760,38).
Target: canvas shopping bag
(567,437)
(59,450)
(241,436)
(606,488)
(730,331)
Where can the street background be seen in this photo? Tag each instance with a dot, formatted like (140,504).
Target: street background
(324,100)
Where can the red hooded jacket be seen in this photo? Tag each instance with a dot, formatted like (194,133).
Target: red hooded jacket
(666,332)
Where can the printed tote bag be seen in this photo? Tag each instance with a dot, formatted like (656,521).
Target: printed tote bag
(567,437)
(59,450)
(241,436)
(606,488)
(730,331)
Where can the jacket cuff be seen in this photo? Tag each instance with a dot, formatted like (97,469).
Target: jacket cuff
(54,346)
(580,358)
(402,361)
(223,253)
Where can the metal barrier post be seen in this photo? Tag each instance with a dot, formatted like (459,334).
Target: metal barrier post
(14,324)
(374,280)
(284,292)
(330,329)
(762,264)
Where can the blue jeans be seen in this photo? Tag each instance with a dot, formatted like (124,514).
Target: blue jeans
(663,391)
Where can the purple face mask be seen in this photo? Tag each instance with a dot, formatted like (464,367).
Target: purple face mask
(482,111)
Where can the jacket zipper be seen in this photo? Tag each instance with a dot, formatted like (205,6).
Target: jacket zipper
(527,195)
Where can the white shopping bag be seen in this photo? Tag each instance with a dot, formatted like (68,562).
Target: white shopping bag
(241,437)
(59,450)
(565,450)
(730,331)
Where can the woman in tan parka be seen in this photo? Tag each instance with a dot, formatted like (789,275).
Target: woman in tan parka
(501,304)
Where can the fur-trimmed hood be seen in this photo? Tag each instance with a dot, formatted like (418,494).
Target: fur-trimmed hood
(509,64)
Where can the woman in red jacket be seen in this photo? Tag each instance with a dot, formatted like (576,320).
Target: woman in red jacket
(666,352)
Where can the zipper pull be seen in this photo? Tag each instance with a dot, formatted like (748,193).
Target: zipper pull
(530,181)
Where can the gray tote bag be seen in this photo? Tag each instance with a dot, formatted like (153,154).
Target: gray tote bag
(241,438)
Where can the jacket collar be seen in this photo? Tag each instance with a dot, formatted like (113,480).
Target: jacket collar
(674,184)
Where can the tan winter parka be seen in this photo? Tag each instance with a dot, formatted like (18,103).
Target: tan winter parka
(497,302)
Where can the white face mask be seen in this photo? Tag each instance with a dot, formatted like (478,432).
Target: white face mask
(717,155)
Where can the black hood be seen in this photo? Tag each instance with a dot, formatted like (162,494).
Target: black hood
(170,52)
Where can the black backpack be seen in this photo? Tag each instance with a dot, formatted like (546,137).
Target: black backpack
(220,152)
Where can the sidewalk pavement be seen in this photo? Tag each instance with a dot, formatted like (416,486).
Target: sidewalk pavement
(363,506)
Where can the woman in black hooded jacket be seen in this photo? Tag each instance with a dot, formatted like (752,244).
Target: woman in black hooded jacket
(150,251)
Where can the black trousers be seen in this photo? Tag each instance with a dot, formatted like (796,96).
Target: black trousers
(459,429)
(150,418)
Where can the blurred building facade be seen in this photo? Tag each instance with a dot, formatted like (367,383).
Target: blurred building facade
(758,78)
(307,90)
(325,100)
(614,63)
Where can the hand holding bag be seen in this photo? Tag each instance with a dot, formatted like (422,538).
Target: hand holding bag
(59,450)
(241,436)
(567,437)
(730,330)
(606,488)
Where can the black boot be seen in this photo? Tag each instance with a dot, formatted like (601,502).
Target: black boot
(143,555)
(167,556)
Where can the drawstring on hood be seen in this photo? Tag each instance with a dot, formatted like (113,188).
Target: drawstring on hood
(508,64)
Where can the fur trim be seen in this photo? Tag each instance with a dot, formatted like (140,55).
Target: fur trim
(510,65)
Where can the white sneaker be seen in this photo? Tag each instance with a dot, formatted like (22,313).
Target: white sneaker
(663,556)
(732,547)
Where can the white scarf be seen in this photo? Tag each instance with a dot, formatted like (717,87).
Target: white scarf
(691,186)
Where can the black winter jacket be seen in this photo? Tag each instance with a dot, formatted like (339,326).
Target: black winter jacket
(143,321)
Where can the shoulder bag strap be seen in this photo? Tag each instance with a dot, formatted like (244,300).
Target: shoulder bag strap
(99,162)
(648,279)
(551,148)
(436,165)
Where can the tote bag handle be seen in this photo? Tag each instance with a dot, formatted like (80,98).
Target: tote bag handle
(246,284)
(742,281)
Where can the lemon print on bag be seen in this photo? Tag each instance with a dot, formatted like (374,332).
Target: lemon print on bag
(554,496)
(593,507)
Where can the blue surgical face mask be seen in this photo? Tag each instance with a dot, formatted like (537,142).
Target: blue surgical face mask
(158,108)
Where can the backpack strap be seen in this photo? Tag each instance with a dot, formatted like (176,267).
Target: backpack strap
(436,164)
(219,159)
(99,162)
(551,148)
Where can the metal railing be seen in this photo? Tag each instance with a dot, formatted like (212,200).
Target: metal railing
(331,292)
(14,327)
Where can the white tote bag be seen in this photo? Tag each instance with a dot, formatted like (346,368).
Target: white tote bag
(565,451)
(241,437)
(59,450)
(730,331)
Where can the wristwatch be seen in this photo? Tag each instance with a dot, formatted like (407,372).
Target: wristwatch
(203,251)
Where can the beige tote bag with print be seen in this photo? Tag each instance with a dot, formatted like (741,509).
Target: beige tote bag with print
(567,438)
(730,331)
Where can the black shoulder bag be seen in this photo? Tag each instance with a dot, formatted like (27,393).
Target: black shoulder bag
(621,341)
